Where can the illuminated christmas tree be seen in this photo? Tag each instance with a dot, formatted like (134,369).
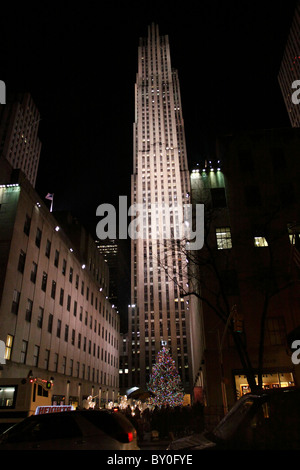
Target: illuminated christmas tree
(165,382)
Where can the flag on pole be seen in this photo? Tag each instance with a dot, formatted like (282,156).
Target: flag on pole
(50,197)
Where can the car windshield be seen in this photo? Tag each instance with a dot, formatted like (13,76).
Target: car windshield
(230,423)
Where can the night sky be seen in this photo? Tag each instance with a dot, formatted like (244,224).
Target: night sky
(79,62)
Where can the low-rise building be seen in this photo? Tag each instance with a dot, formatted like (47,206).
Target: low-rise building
(248,272)
(55,317)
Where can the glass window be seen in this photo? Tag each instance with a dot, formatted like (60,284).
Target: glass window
(53,289)
(36,353)
(8,347)
(27,224)
(33,272)
(28,312)
(38,237)
(58,330)
(23,352)
(7,396)
(21,262)
(56,258)
(44,281)
(61,297)
(48,248)
(64,267)
(223,236)
(50,323)
(260,241)
(40,317)
(15,302)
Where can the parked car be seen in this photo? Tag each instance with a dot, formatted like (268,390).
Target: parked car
(269,419)
(71,430)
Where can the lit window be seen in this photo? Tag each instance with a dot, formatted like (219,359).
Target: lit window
(8,346)
(8,396)
(223,236)
(260,241)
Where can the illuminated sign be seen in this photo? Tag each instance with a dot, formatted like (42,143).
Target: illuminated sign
(41,410)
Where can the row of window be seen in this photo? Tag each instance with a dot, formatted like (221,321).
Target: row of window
(93,299)
(106,335)
(224,241)
(75,370)
(38,237)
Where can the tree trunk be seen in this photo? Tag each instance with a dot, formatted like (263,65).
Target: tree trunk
(262,341)
(245,361)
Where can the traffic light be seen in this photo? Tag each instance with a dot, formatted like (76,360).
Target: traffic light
(238,325)
(48,385)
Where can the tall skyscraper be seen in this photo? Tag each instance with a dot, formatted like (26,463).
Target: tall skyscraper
(289,72)
(160,183)
(19,142)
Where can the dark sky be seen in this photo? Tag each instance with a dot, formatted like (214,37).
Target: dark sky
(79,61)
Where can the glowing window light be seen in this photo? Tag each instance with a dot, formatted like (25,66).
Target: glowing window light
(260,242)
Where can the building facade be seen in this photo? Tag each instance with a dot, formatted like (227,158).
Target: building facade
(289,72)
(161,186)
(114,252)
(248,271)
(55,317)
(19,142)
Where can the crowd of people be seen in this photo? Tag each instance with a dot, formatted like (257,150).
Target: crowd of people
(167,421)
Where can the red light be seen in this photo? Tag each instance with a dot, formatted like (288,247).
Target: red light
(130,436)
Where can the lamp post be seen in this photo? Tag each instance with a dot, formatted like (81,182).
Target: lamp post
(79,394)
(223,385)
(68,392)
(100,397)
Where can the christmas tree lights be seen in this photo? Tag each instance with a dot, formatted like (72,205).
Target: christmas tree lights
(165,382)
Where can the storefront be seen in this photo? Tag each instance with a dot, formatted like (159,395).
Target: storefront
(270,380)
(58,400)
